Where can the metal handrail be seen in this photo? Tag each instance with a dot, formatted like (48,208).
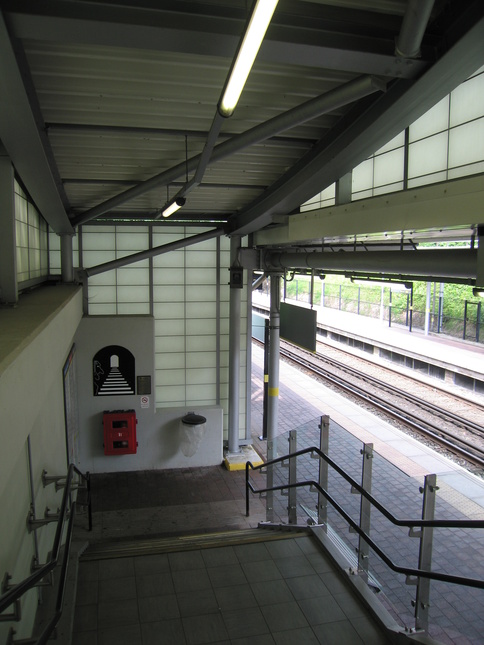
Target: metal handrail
(410,523)
(18,590)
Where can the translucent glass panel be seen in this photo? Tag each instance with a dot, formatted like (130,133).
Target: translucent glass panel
(124,291)
(322,199)
(381,173)
(448,141)
(31,239)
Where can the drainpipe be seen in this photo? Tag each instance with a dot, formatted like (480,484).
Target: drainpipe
(413,28)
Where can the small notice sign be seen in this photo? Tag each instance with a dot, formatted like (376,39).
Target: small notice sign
(145,401)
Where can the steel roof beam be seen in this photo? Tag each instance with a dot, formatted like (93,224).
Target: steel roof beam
(359,135)
(24,140)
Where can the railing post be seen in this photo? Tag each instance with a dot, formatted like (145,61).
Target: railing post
(323,471)
(365,510)
(270,482)
(422,598)
(292,493)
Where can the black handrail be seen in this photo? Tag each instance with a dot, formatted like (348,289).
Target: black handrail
(18,590)
(410,523)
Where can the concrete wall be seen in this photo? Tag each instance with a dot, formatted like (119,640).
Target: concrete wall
(32,405)
(158,435)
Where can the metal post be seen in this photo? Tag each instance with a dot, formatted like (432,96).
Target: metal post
(234,355)
(292,493)
(266,379)
(311,297)
(365,510)
(411,308)
(390,309)
(427,311)
(422,599)
(478,320)
(441,308)
(465,320)
(67,269)
(273,387)
(323,472)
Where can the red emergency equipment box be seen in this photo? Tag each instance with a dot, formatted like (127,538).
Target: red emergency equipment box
(120,432)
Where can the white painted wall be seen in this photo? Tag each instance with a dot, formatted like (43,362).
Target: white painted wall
(159,442)
(32,404)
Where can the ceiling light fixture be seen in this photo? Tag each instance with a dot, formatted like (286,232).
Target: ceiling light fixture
(255,32)
(173,206)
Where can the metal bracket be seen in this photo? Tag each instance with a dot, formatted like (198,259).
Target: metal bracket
(34,523)
(414,533)
(17,611)
(24,641)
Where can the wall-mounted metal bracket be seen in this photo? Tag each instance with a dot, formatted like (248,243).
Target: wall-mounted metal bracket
(16,614)
(34,523)
(23,641)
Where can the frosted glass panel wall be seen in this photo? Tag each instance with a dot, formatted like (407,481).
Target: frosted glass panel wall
(190,306)
(31,239)
(382,173)
(322,199)
(119,291)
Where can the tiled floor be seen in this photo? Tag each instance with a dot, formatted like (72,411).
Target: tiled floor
(285,592)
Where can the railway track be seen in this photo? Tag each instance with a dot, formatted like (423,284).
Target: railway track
(457,435)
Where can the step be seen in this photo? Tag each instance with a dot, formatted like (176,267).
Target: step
(129,548)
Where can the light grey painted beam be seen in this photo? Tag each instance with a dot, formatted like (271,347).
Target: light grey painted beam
(22,140)
(344,148)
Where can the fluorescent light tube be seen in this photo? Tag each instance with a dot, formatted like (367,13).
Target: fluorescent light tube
(259,21)
(173,206)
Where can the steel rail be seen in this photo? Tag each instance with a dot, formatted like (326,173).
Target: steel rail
(456,444)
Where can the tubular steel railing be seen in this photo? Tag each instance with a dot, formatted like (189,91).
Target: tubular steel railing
(410,523)
(420,576)
(67,511)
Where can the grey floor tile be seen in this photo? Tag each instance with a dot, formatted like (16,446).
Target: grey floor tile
(284,616)
(283,549)
(320,563)
(146,564)
(271,592)
(307,545)
(117,589)
(197,603)
(118,612)
(204,629)
(369,631)
(334,581)
(292,567)
(261,570)
(156,584)
(165,632)
(235,597)
(186,560)
(116,568)
(307,587)
(245,622)
(351,606)
(321,610)
(156,608)
(220,556)
(120,635)
(193,580)
(227,576)
(262,639)
(339,632)
(303,636)
(251,552)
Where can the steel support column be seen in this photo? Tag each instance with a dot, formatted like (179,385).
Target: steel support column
(8,258)
(274,345)
(67,268)
(234,354)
